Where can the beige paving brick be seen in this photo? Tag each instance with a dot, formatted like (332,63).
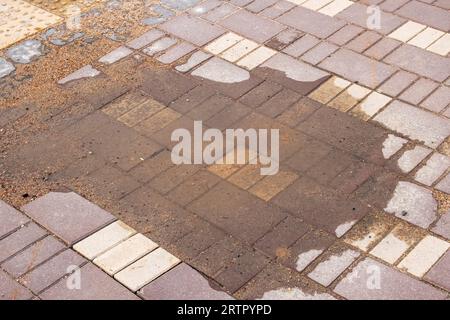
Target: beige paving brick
(103,240)
(224,170)
(223,43)
(140,113)
(125,253)
(424,255)
(255,58)
(158,121)
(124,104)
(316,4)
(330,89)
(407,31)
(368,232)
(441,46)
(349,98)
(371,105)
(147,269)
(335,7)
(247,176)
(270,186)
(425,38)
(239,50)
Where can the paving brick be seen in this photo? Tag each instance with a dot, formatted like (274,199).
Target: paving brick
(399,82)
(424,256)
(411,158)
(382,48)
(141,112)
(279,102)
(418,91)
(146,269)
(403,118)
(252,26)
(125,253)
(426,37)
(435,167)
(320,52)
(353,66)
(228,116)
(62,213)
(299,112)
(124,104)
(11,219)
(392,5)
(223,43)
(301,46)
(349,97)
(104,240)
(51,271)
(440,272)
(363,41)
(392,145)
(259,5)
(237,212)
(115,55)
(192,29)
(371,105)
(255,58)
(361,284)
(305,159)
(220,12)
(145,39)
(329,167)
(277,9)
(219,70)
(19,240)
(32,256)
(438,100)
(261,93)
(159,45)
(12,290)
(270,186)
(239,50)
(420,61)
(407,31)
(95,285)
(357,14)
(332,265)
(330,89)
(336,6)
(444,184)
(194,60)
(182,283)
(352,177)
(345,34)
(173,177)
(204,7)
(426,14)
(394,245)
(283,39)
(367,232)
(176,52)
(157,121)
(441,46)
(311,22)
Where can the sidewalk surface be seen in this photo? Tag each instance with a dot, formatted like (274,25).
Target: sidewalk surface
(92,206)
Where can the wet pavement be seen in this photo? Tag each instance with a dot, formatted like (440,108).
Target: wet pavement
(91,92)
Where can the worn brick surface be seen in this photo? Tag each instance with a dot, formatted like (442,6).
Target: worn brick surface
(12,290)
(11,219)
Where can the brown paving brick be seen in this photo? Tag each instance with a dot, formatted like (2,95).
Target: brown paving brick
(141,112)
(281,237)
(330,166)
(279,103)
(308,156)
(320,206)
(32,256)
(382,48)
(11,219)
(164,136)
(237,212)
(228,116)
(191,99)
(152,166)
(165,86)
(172,177)
(157,122)
(353,176)
(19,240)
(193,187)
(345,34)
(51,271)
(261,93)
(12,290)
(363,41)
(210,107)
(270,186)
(124,103)
(61,213)
(299,112)
(426,14)
(96,285)
(247,176)
(79,168)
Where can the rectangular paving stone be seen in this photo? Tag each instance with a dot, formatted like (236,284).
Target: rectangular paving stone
(418,91)
(397,83)
(420,61)
(357,14)
(332,265)
(393,285)
(411,158)
(147,269)
(11,289)
(261,93)
(20,239)
(51,271)
(438,100)
(277,9)
(311,22)
(407,31)
(382,48)
(393,246)
(283,39)
(192,29)
(182,283)
(279,102)
(315,4)
(301,46)
(145,39)
(223,43)
(441,46)
(439,274)
(363,41)
(353,66)
(194,60)
(115,55)
(442,227)
(345,34)
(239,50)
(259,5)
(371,105)
(159,45)
(125,253)
(252,26)
(11,219)
(427,14)
(444,184)
(349,98)
(435,167)
(335,6)
(319,52)
(255,58)
(32,256)
(104,239)
(68,215)
(220,12)
(270,186)
(95,285)
(426,37)
(424,256)
(415,123)
(176,52)
(329,89)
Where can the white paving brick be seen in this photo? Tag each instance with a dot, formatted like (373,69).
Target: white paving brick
(411,158)
(115,55)
(147,269)
(125,253)
(425,38)
(315,4)
(373,103)
(407,31)
(392,145)
(255,58)
(223,43)
(441,46)
(424,255)
(390,249)
(433,169)
(103,240)
(335,7)
(239,50)
(297,2)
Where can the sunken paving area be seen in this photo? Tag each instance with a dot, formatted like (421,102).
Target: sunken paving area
(360,207)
